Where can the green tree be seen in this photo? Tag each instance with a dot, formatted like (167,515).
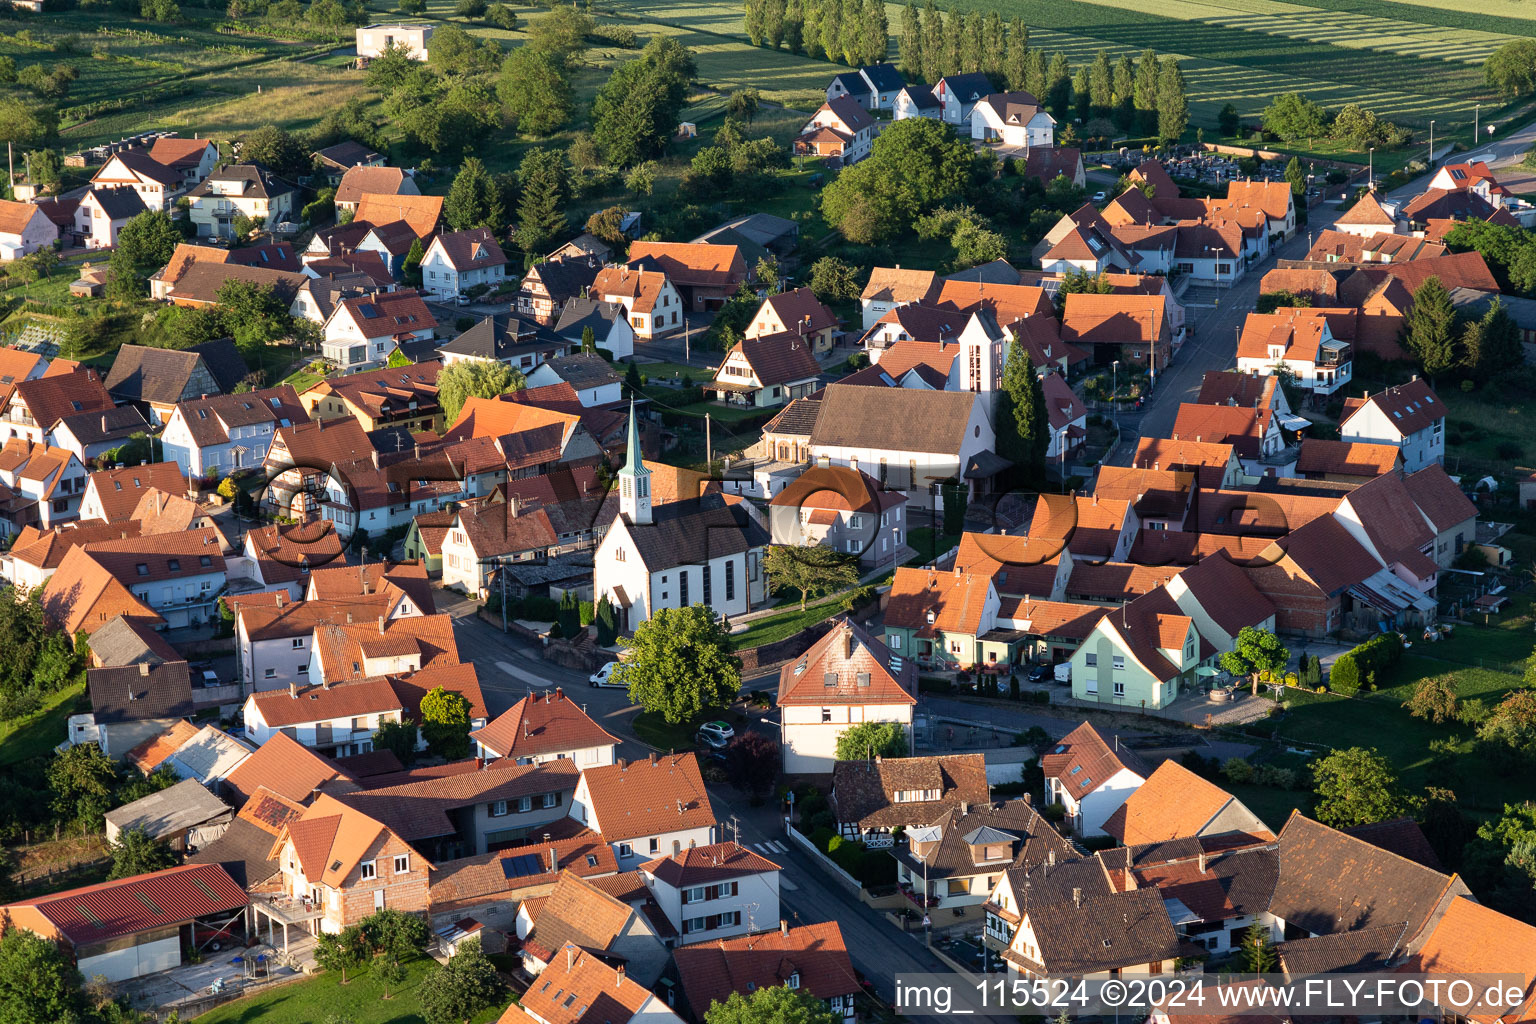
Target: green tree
(445,722)
(278,151)
(136,852)
(540,211)
(399,738)
(473,199)
(391,68)
(873,739)
(831,25)
(1058,87)
(1016,58)
(535,90)
(994,45)
(606,616)
(753,22)
(26,123)
(469,9)
(1148,75)
(1507,738)
(1256,652)
(910,48)
(81,779)
(45,167)
(1227,121)
(1082,96)
(1497,349)
(794,26)
(742,105)
(1511,69)
(563,31)
(1356,786)
(770,1004)
(1101,85)
(340,951)
(1023,431)
(410,270)
(1434,699)
(474,378)
(680,664)
(502,16)
(144,245)
(773,23)
(1172,103)
(389,971)
(1124,113)
(460,988)
(1296,176)
(1292,116)
(1429,333)
(813,571)
(915,165)
(394,933)
(637,110)
(933,43)
(37,982)
(956,498)
(1258,951)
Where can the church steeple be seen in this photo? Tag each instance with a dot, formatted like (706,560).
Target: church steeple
(634,478)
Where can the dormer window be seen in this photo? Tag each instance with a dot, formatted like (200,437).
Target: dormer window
(793,981)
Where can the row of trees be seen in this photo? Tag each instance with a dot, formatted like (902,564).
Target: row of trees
(852,32)
(1447,342)
(1292,116)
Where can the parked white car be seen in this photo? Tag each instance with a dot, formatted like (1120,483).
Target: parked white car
(604,676)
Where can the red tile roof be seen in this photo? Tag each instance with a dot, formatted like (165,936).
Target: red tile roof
(956,600)
(287,767)
(641,798)
(1473,939)
(119,490)
(582,989)
(1084,760)
(711,971)
(543,724)
(1409,407)
(847,666)
(1346,458)
(1174,803)
(701,865)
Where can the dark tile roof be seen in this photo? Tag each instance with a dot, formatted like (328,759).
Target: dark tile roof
(503,337)
(260,182)
(1121,930)
(694,530)
(224,361)
(1024,837)
(864,791)
(711,971)
(132,693)
(117,424)
(1401,836)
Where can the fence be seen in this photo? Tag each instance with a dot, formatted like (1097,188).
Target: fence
(827,864)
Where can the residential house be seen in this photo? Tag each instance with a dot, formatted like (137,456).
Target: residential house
(194,158)
(38,403)
(1302,344)
(130,704)
(373,40)
(521,343)
(713,892)
(955,860)
(1253,433)
(1367,217)
(936,618)
(1469,938)
(1175,803)
(342,866)
(24,229)
(841,128)
(239,190)
(842,509)
(849,84)
(1409,416)
(206,756)
(112,495)
(1475,177)
(281,556)
(35,553)
(890,287)
(1143,655)
(43,486)
(1132,329)
(796,312)
(131,927)
(392,646)
(947,435)
(847,677)
(1214,464)
(217,434)
(274,635)
(1090,527)
(89,436)
(1352,462)
(872,797)
(458,262)
(608,321)
(156,379)
(884,82)
(649,298)
(776,235)
(957,96)
(589,376)
(548,286)
(1221,600)
(487,536)
(1016,120)
(1068,418)
(1047,163)
(916,100)
(706,276)
(404,397)
(156,183)
(580,987)
(364,330)
(812,959)
(574,928)
(292,771)
(103,212)
(336,160)
(184,817)
(646,809)
(1090,776)
(766,371)
(1123,934)
(177,576)
(546,727)
(362,179)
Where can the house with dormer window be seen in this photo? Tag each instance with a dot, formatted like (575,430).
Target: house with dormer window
(713,892)
(847,677)
(364,330)
(248,190)
(646,808)
(811,959)
(956,860)
(458,261)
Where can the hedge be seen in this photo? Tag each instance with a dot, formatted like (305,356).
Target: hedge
(1367,665)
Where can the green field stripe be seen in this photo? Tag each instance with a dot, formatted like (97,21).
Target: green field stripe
(1509,17)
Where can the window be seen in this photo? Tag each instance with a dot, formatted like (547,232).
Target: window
(370,869)
(269,673)
(625,850)
(524,804)
(1118,662)
(1091,660)
(551,799)
(402,863)
(826,714)
(1119,689)
(298,643)
(682,588)
(730,581)
(655,845)
(893,641)
(498,808)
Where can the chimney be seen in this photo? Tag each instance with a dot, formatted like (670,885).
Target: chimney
(847,639)
(349,618)
(559,693)
(623,765)
(144,668)
(653,759)
(1050,858)
(570,955)
(479,763)
(554,863)
(293,690)
(381,625)
(1202,862)
(1077,897)
(783,927)
(618,976)
(1029,799)
(965,808)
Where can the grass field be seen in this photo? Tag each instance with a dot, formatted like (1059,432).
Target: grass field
(37,734)
(360,1001)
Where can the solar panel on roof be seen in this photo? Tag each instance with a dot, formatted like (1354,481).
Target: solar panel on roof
(522,866)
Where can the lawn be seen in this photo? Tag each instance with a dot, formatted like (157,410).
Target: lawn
(37,734)
(652,729)
(929,544)
(360,1001)
(785,623)
(1379,720)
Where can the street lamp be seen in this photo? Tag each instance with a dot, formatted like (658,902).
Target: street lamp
(1114,388)
(1431,142)
(1477,110)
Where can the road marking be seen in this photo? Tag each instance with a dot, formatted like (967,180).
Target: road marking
(527,677)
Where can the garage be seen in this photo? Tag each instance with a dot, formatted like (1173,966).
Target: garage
(131,927)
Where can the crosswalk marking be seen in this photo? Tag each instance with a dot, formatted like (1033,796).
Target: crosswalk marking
(770,846)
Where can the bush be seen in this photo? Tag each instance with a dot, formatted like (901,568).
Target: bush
(621,36)
(1236,769)
(1509,450)
(1344,677)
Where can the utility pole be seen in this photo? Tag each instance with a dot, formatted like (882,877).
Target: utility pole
(709,448)
(686,329)
(10,169)
(503,576)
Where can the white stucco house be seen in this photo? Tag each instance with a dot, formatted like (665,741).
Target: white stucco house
(1015,119)
(646,809)
(1409,416)
(459,261)
(714,892)
(1090,775)
(848,677)
(24,229)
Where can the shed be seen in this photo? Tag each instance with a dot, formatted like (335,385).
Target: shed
(184,816)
